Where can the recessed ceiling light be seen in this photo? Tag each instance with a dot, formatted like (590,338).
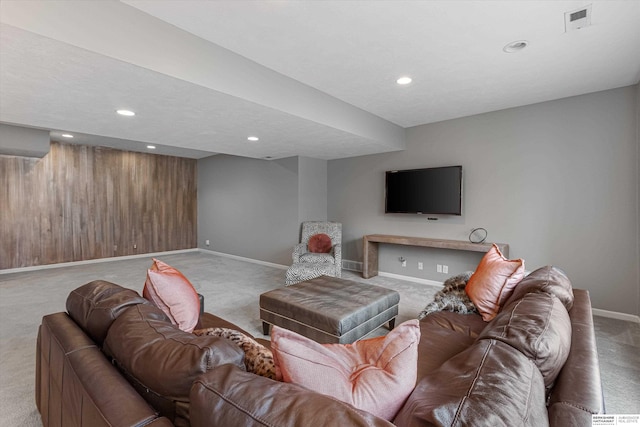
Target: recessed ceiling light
(126,112)
(253,138)
(67,135)
(516,46)
(404,80)
(151,147)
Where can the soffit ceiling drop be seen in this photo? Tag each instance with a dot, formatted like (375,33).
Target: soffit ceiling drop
(309,78)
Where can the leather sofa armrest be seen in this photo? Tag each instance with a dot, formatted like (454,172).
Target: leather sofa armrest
(72,375)
(577,393)
(229,396)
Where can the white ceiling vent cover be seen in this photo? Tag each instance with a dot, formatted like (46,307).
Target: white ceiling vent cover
(577,19)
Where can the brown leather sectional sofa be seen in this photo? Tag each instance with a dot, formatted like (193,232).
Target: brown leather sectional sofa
(115,360)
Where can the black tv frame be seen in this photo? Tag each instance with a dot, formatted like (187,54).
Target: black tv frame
(416,197)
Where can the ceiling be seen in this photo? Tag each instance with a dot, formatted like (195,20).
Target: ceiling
(309,78)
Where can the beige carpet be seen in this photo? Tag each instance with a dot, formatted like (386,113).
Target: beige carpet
(231,289)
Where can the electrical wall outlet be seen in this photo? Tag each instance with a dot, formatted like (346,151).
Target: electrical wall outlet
(439,268)
(135,246)
(420,266)
(206,242)
(404,263)
(445,269)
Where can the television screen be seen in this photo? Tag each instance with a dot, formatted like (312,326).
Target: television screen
(425,191)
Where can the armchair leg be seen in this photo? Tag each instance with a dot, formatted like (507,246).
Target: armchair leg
(392,323)
(265,328)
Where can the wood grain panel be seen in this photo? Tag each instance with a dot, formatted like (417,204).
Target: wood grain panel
(81,202)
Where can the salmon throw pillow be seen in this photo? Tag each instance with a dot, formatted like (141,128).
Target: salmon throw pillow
(320,243)
(171,292)
(375,375)
(493,282)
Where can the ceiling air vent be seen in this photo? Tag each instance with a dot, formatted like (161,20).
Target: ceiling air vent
(577,19)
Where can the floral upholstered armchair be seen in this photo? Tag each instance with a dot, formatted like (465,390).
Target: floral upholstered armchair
(319,252)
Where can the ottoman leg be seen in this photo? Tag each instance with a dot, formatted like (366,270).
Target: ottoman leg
(265,328)
(392,323)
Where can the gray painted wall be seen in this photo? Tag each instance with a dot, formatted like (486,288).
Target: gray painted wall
(312,189)
(558,181)
(253,208)
(638,185)
(248,207)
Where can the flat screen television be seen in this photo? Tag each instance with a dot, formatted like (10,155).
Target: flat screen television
(424,191)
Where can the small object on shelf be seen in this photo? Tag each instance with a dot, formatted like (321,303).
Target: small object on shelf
(478,235)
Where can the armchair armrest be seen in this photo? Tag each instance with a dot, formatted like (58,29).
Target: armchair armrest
(298,250)
(337,252)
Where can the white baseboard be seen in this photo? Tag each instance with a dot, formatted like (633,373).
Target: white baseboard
(93,261)
(241,258)
(411,279)
(615,315)
(351,265)
(346,264)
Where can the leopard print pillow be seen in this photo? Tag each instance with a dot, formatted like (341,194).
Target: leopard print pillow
(258,358)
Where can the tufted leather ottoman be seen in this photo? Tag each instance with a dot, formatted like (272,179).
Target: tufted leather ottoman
(329,309)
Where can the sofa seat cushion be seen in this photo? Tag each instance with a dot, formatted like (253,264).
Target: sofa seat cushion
(443,335)
(490,384)
(97,304)
(538,326)
(375,375)
(162,361)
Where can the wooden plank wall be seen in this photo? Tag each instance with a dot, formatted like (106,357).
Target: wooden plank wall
(83,202)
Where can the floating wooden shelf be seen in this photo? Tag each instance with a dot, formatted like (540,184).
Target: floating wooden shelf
(371,241)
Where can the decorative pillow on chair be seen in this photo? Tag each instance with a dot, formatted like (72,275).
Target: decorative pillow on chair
(375,375)
(320,243)
(170,291)
(493,282)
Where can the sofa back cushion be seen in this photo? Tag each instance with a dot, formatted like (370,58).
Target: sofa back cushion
(547,279)
(488,384)
(163,361)
(230,397)
(97,304)
(538,326)
(444,334)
